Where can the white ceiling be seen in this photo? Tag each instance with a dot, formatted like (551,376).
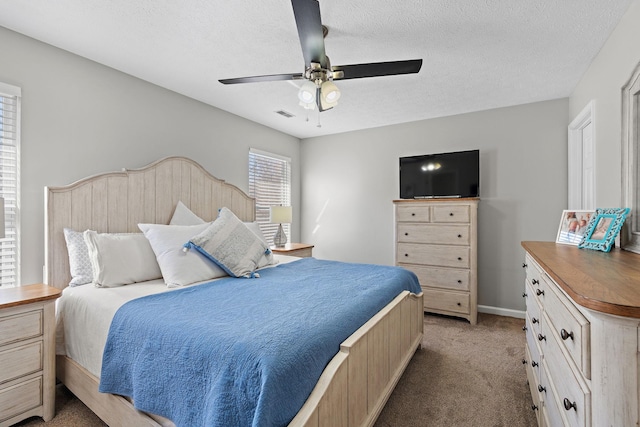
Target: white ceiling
(477,54)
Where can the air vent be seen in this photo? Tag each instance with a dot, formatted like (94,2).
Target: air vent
(286,114)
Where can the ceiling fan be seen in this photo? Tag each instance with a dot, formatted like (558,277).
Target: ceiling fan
(319,89)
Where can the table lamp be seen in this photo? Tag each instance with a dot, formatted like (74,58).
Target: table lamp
(279,215)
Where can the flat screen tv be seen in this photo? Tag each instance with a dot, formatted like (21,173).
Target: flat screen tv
(440,175)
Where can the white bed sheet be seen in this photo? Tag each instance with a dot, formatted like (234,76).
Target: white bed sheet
(84,314)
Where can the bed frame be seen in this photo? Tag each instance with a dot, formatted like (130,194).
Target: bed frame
(356,383)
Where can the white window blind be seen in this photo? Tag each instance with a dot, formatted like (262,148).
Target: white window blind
(10,184)
(270,185)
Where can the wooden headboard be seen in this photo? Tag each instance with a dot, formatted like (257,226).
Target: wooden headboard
(117,202)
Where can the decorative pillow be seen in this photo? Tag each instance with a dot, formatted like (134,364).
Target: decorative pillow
(267,258)
(183,216)
(121,258)
(79,262)
(179,268)
(229,243)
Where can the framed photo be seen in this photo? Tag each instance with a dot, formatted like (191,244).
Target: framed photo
(603,228)
(573,225)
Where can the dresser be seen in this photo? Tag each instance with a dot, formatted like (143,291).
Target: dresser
(437,240)
(27,353)
(582,335)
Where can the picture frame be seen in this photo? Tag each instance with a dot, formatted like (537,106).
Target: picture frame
(603,228)
(573,225)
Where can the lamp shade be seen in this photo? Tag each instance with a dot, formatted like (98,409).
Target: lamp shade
(307,93)
(280,214)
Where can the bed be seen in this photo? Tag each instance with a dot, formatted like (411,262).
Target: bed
(356,382)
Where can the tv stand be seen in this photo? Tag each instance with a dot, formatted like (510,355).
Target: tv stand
(437,240)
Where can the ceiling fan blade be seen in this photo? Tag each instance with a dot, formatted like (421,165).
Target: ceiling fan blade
(307,14)
(267,78)
(375,69)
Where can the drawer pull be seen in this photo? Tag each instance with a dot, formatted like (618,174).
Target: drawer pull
(459,258)
(535,281)
(406,234)
(406,254)
(539,292)
(524,295)
(534,364)
(524,265)
(459,304)
(541,389)
(413,214)
(534,321)
(450,213)
(566,335)
(568,405)
(459,281)
(541,337)
(459,236)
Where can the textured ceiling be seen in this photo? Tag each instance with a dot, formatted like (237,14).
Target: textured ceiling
(477,54)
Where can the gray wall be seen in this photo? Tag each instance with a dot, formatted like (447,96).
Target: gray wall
(350,180)
(603,82)
(80,118)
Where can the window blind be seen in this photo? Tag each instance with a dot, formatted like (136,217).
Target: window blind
(270,185)
(10,184)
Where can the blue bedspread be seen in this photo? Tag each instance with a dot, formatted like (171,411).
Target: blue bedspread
(242,352)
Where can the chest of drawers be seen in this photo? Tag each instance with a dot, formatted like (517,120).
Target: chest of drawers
(27,353)
(437,240)
(582,335)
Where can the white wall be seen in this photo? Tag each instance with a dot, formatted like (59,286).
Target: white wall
(350,180)
(603,82)
(80,118)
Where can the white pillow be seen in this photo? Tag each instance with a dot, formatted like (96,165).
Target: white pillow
(183,216)
(79,262)
(229,243)
(121,258)
(179,268)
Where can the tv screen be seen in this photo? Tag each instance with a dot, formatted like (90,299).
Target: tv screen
(440,175)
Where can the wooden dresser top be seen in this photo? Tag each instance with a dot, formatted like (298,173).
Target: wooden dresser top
(11,297)
(604,282)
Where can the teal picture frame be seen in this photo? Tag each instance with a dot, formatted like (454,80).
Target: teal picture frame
(603,228)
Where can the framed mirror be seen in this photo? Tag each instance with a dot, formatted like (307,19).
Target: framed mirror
(630,236)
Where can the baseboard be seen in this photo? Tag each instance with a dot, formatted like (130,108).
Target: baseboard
(501,311)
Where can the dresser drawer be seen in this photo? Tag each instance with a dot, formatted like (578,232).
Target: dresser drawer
(436,299)
(413,214)
(433,233)
(572,395)
(532,378)
(20,326)
(533,346)
(551,413)
(534,311)
(451,213)
(446,278)
(570,327)
(435,255)
(19,398)
(20,360)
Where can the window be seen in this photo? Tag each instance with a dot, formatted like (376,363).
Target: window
(270,185)
(10,184)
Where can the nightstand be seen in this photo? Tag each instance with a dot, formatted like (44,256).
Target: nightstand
(27,353)
(301,250)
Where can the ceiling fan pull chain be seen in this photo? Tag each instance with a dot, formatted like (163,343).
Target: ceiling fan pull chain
(319,125)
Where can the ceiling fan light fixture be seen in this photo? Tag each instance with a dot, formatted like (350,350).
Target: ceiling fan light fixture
(330,93)
(307,93)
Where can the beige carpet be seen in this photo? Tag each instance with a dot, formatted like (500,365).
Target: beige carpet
(463,376)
